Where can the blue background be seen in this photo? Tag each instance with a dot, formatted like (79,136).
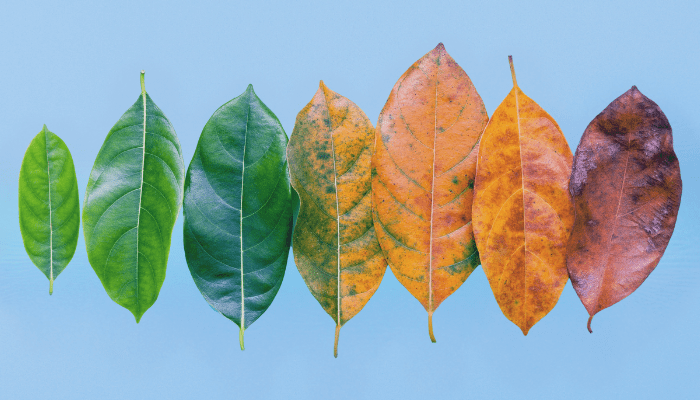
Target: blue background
(75,67)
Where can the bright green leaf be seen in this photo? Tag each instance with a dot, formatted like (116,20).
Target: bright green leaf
(132,201)
(49,209)
(238,210)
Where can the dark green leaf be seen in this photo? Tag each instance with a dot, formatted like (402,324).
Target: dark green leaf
(49,209)
(238,210)
(132,201)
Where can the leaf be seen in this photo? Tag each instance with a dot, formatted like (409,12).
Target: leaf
(335,245)
(626,186)
(238,210)
(49,209)
(522,210)
(132,200)
(427,142)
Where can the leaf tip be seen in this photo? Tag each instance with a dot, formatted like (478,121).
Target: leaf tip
(137,316)
(249,89)
(634,91)
(440,47)
(591,317)
(525,327)
(327,93)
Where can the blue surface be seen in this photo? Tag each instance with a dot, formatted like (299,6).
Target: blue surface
(75,67)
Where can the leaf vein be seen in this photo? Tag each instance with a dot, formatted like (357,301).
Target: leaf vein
(394,237)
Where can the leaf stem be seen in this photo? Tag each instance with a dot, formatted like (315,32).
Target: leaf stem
(430,326)
(240,337)
(589,324)
(512,70)
(50,287)
(335,344)
(143,82)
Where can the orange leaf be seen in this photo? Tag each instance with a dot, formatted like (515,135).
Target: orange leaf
(424,166)
(522,210)
(334,243)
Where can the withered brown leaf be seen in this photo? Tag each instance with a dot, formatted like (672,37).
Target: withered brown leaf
(626,186)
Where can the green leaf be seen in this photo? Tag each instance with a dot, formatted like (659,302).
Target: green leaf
(49,209)
(238,210)
(132,201)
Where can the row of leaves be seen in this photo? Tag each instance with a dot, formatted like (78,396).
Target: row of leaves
(436,181)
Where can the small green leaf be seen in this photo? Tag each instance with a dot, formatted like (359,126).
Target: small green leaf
(238,210)
(49,209)
(132,201)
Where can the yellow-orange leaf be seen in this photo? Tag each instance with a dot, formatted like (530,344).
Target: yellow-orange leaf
(523,213)
(334,243)
(424,164)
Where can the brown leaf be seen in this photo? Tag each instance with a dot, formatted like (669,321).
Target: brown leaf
(334,243)
(425,161)
(522,210)
(626,185)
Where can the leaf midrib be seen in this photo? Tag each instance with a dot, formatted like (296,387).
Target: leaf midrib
(48,169)
(240,215)
(138,217)
(337,207)
(606,269)
(432,198)
(522,181)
